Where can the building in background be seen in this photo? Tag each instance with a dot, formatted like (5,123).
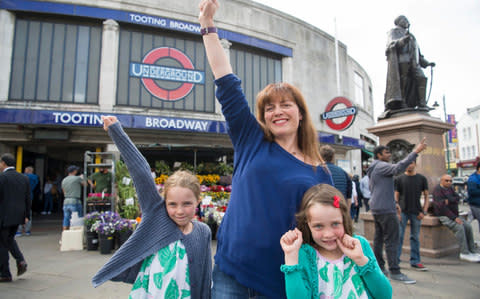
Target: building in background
(468,128)
(66,63)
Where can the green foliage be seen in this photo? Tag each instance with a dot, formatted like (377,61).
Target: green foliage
(161,167)
(185,166)
(125,191)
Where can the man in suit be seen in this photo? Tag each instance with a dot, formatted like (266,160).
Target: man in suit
(15,205)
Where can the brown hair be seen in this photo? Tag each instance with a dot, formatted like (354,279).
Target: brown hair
(184,179)
(307,134)
(327,152)
(321,194)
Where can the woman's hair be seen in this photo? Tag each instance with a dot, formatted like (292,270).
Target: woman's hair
(321,194)
(184,179)
(307,135)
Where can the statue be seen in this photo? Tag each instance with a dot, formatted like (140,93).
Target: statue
(406,82)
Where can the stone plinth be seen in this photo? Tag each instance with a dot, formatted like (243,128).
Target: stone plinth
(435,239)
(412,128)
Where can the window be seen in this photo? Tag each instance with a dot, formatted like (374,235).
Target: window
(55,61)
(358,81)
(464,156)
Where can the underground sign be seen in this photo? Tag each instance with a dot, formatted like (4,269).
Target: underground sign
(152,73)
(339,114)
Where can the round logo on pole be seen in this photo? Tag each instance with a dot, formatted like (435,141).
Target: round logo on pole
(339,114)
(152,74)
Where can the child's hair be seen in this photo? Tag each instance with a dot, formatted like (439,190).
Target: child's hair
(184,179)
(321,194)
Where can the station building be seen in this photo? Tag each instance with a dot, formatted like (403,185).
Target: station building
(66,63)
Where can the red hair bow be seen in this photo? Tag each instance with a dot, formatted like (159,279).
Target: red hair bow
(336,201)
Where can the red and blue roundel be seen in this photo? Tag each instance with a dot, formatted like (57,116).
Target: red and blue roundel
(152,74)
(346,113)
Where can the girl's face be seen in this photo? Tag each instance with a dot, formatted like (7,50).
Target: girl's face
(326,225)
(181,206)
(282,117)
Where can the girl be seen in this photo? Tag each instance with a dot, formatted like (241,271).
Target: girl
(168,255)
(330,263)
(276,161)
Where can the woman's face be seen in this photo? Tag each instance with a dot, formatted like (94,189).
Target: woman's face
(181,206)
(282,117)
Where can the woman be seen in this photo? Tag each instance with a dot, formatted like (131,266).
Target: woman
(276,161)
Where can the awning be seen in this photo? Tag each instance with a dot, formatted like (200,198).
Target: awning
(367,152)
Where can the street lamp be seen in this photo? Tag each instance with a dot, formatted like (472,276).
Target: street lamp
(436,105)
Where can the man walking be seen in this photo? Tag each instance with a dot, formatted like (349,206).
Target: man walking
(408,189)
(473,188)
(33,181)
(445,206)
(382,205)
(15,204)
(72,188)
(340,177)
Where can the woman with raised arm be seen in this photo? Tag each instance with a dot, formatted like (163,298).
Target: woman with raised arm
(276,161)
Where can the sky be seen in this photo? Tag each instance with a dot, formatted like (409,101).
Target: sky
(448,33)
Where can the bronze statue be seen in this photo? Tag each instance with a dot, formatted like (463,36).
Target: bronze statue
(406,83)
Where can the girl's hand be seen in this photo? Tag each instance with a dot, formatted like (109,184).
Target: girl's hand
(207,8)
(291,242)
(108,121)
(352,248)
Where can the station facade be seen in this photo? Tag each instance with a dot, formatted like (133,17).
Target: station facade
(64,64)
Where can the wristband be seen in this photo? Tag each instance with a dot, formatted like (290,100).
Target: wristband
(207,30)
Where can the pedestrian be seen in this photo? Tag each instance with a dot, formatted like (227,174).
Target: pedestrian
(341,179)
(383,207)
(34,182)
(322,256)
(72,189)
(365,188)
(276,161)
(445,206)
(359,197)
(409,187)
(48,192)
(15,206)
(473,188)
(168,255)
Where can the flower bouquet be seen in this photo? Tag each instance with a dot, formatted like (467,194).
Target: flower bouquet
(124,229)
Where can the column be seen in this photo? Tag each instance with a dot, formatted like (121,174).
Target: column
(109,65)
(7,31)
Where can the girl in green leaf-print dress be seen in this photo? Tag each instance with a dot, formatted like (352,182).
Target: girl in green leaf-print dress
(322,259)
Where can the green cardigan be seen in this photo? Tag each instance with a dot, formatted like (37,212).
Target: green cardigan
(301,280)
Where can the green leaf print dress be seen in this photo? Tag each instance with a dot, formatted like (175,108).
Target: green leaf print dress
(163,275)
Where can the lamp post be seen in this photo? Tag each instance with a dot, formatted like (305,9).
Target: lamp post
(435,105)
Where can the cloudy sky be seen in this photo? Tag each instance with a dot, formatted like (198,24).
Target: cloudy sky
(448,33)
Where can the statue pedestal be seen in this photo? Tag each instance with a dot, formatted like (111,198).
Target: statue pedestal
(412,128)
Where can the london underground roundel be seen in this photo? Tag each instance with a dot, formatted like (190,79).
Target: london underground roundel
(339,114)
(154,75)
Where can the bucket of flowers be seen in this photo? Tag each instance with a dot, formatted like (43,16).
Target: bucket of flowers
(105,228)
(92,236)
(124,229)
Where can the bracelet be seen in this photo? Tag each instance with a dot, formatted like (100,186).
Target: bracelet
(207,30)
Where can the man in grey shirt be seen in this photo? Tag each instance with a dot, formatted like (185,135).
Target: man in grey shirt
(72,189)
(383,207)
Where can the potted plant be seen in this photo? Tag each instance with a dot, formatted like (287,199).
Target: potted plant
(105,228)
(124,229)
(92,236)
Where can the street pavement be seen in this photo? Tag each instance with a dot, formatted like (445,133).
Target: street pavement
(54,274)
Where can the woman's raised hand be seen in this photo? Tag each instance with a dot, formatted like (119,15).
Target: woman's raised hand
(207,11)
(108,121)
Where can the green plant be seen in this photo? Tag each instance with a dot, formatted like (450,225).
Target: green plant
(130,212)
(161,167)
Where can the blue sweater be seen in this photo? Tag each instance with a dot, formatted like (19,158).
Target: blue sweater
(473,185)
(267,188)
(156,230)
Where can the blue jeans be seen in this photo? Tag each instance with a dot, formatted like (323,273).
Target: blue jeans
(48,205)
(67,212)
(226,287)
(414,240)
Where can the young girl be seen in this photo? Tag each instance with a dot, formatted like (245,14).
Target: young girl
(330,263)
(168,255)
